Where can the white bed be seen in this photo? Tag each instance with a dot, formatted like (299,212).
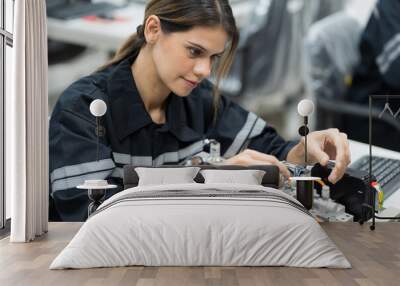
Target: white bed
(203,225)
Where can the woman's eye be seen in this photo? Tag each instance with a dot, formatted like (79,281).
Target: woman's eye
(194,52)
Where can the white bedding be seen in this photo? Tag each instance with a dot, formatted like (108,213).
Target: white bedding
(221,225)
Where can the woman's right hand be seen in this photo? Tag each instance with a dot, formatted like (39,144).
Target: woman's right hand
(251,157)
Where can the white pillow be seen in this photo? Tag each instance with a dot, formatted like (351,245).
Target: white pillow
(166,176)
(248,177)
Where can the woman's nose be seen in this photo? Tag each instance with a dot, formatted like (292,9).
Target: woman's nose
(202,68)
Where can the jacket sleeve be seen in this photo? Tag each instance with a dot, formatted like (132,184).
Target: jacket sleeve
(237,129)
(73,159)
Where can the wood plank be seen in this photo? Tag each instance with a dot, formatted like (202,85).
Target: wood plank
(375,257)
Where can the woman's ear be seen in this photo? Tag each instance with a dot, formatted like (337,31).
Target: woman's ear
(152,29)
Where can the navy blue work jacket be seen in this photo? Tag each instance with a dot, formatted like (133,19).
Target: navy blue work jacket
(378,71)
(133,138)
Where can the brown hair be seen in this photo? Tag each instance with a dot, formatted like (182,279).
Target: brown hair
(180,16)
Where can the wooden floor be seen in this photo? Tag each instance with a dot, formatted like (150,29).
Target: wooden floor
(375,257)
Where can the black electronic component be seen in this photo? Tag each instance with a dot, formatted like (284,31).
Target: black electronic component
(353,190)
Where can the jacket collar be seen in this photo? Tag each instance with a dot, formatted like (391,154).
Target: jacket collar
(178,121)
(128,112)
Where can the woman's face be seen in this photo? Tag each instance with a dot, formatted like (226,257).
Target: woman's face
(184,59)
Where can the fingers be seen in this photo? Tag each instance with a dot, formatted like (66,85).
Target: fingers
(261,157)
(331,144)
(341,145)
(316,148)
(252,157)
(321,156)
(282,168)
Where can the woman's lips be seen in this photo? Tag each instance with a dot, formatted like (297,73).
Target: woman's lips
(192,84)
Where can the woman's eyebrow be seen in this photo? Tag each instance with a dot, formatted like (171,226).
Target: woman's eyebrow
(202,48)
(197,46)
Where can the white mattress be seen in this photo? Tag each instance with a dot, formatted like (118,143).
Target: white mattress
(199,224)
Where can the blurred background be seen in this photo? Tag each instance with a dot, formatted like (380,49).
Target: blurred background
(289,50)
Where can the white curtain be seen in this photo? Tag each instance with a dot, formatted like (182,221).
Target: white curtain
(27,124)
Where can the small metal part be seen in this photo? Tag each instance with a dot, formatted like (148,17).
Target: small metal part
(215,152)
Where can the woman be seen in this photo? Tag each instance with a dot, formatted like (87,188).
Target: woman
(161,107)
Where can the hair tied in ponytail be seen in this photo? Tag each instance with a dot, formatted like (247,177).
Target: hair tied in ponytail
(140,31)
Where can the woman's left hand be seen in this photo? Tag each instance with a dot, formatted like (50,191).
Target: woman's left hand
(324,145)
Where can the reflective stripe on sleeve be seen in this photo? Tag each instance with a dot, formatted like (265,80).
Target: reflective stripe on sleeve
(168,157)
(81,169)
(127,159)
(172,157)
(118,173)
(391,51)
(258,128)
(72,182)
(253,127)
